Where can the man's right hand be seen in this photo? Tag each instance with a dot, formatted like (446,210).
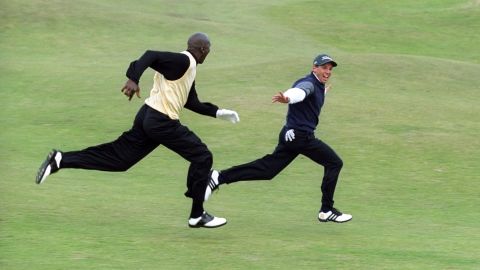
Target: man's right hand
(131,88)
(290,135)
(280,97)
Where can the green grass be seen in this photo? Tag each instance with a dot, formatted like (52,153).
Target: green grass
(403,114)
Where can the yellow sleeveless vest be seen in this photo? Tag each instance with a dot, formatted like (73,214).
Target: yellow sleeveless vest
(169,97)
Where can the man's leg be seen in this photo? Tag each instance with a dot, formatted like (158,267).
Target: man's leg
(118,155)
(184,142)
(324,155)
(265,168)
(190,147)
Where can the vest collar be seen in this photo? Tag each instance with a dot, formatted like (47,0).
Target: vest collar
(316,78)
(192,55)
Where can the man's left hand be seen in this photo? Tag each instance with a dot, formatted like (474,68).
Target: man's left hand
(228,115)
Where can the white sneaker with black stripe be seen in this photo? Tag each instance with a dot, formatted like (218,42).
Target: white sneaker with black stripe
(49,166)
(206,221)
(212,184)
(334,215)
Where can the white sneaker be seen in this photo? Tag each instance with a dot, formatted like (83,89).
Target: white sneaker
(212,184)
(207,221)
(334,215)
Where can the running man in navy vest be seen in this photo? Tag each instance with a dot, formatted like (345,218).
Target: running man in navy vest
(157,123)
(305,100)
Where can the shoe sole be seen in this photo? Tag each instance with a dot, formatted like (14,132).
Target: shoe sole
(321,220)
(43,168)
(207,227)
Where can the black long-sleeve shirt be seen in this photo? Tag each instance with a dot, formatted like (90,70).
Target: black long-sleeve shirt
(173,66)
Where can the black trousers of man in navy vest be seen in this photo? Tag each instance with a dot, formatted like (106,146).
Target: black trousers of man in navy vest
(267,167)
(150,129)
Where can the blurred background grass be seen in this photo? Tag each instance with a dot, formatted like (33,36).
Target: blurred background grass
(403,115)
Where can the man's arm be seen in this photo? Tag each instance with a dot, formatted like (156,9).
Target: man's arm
(194,104)
(209,109)
(295,94)
(171,65)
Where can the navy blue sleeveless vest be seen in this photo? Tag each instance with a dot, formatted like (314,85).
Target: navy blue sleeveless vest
(304,115)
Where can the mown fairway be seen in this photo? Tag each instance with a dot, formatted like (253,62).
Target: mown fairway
(403,114)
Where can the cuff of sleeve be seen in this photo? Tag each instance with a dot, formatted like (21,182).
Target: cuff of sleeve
(295,95)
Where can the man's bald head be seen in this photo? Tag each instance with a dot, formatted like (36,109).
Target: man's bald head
(198,40)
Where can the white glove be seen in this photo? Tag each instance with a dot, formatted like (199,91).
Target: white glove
(290,135)
(228,115)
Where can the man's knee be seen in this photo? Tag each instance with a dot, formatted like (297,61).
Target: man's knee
(334,164)
(209,160)
(337,164)
(205,159)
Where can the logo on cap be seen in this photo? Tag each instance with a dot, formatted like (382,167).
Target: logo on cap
(323,59)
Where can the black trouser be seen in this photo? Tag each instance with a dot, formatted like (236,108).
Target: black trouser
(150,129)
(270,165)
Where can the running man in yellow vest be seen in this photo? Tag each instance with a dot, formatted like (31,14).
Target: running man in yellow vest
(157,123)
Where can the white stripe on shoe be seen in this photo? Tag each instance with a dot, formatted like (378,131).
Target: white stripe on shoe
(58,158)
(211,185)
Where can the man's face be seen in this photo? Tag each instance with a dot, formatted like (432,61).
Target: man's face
(204,50)
(323,72)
